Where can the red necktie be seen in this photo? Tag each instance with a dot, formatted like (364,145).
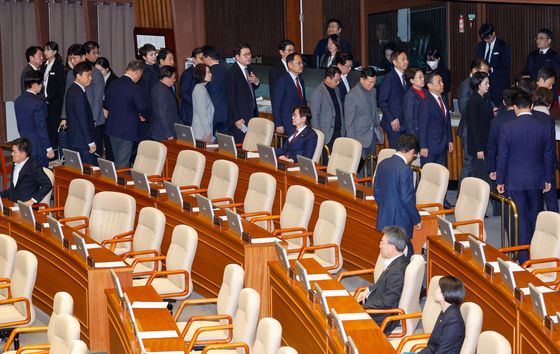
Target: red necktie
(299,91)
(442,107)
(293,137)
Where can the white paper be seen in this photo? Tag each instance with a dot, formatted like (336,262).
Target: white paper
(293,169)
(14,208)
(195,209)
(354,316)
(332,178)
(212,146)
(252,155)
(129,183)
(223,217)
(157,334)
(514,266)
(370,197)
(328,293)
(466,244)
(316,277)
(554,319)
(424,213)
(543,289)
(167,352)
(46,225)
(149,305)
(162,191)
(264,240)
(244,128)
(110,264)
(95,168)
(89,246)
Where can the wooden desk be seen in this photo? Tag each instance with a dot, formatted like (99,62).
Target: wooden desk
(502,312)
(121,334)
(305,327)
(60,269)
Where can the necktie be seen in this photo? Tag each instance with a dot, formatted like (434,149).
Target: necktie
(248,82)
(442,107)
(488,53)
(541,52)
(299,91)
(294,137)
(403,81)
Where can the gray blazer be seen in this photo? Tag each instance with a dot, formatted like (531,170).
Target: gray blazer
(203,112)
(95,93)
(323,112)
(361,121)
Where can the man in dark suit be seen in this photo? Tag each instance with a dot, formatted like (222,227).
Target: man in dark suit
(497,53)
(241,83)
(81,128)
(34,57)
(391,93)
(285,48)
(217,89)
(344,62)
(54,89)
(288,93)
(394,190)
(31,117)
(29,182)
(126,105)
(334,26)
(525,165)
(495,128)
(434,124)
(304,140)
(164,106)
(186,87)
(543,56)
(387,290)
(149,78)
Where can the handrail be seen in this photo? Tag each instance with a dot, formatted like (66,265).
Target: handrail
(511,211)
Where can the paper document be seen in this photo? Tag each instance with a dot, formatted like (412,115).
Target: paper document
(95,168)
(332,178)
(293,169)
(316,277)
(212,146)
(162,191)
(110,264)
(514,266)
(543,289)
(252,155)
(149,305)
(370,197)
(328,293)
(129,183)
(89,246)
(354,316)
(264,240)
(46,225)
(158,334)
(424,213)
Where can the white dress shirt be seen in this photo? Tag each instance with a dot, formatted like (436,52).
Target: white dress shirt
(489,47)
(46,76)
(17,170)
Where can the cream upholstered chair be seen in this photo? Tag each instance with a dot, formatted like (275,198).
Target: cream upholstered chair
(472,315)
(78,347)
(188,170)
(294,216)
(63,305)
(174,283)
(17,309)
(241,329)
(544,250)
(383,154)
(432,187)
(8,251)
(223,181)
(150,158)
(66,332)
(47,198)
(146,239)
(226,303)
(78,202)
(286,350)
(345,155)
(320,144)
(491,342)
(259,131)
(326,237)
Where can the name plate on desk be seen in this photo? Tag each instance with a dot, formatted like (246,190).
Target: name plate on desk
(121,181)
(88,170)
(518,293)
(90,262)
(242,154)
(7,211)
(245,236)
(322,179)
(360,194)
(488,269)
(282,166)
(292,274)
(154,192)
(65,243)
(187,206)
(200,144)
(217,221)
(39,226)
(459,248)
(549,323)
(312,296)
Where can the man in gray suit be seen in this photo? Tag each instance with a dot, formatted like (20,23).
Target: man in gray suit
(326,107)
(164,106)
(360,114)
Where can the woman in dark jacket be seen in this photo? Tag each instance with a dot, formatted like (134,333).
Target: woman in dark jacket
(54,89)
(412,98)
(102,64)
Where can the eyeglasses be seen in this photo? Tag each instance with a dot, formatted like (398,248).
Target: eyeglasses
(297,63)
(541,38)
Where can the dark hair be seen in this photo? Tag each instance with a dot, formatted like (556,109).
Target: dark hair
(429,79)
(396,236)
(211,52)
(31,51)
(291,57)
(526,84)
(335,38)
(546,32)
(199,72)
(162,54)
(304,111)
(32,77)
(452,289)
(433,53)
(80,68)
(52,45)
(135,65)
(368,71)
(396,54)
(336,20)
(23,145)
(284,43)
(507,95)
(145,49)
(407,142)
(166,71)
(76,49)
(546,73)
(196,51)
(521,99)
(410,73)
(390,46)
(237,49)
(477,63)
(342,57)
(477,79)
(543,97)
(104,62)
(485,30)
(90,45)
(331,72)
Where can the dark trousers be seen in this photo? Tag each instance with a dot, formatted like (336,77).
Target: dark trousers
(439,158)
(529,204)
(41,159)
(53,121)
(393,137)
(122,149)
(551,197)
(468,162)
(86,156)
(103,143)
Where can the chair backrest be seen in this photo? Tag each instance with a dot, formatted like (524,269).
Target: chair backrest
(180,255)
(260,194)
(63,305)
(345,155)
(223,180)
(410,295)
(228,296)
(379,267)
(433,184)
(297,209)
(150,157)
(269,335)
(47,198)
(320,142)
(8,250)
(383,154)
(491,342)
(79,199)
(472,203)
(259,131)
(472,315)
(247,316)
(112,213)
(546,239)
(149,231)
(329,229)
(286,350)
(23,281)
(431,309)
(189,168)
(66,331)
(79,347)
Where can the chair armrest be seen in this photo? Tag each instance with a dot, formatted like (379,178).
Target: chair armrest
(269,219)
(514,248)
(159,179)
(193,186)
(225,199)
(35,349)
(410,338)
(362,179)
(153,177)
(399,318)
(443,212)
(320,168)
(184,272)
(37,206)
(27,311)
(225,206)
(353,273)
(418,346)
(85,220)
(188,302)
(300,235)
(254,213)
(113,242)
(430,205)
(126,169)
(289,229)
(359,290)
(469,222)
(322,247)
(204,318)
(196,191)
(227,346)
(21,330)
(139,253)
(145,260)
(530,262)
(193,341)
(50,210)
(389,311)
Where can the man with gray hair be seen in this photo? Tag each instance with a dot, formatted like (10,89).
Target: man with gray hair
(386,292)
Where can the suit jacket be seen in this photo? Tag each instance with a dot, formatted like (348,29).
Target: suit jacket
(448,333)
(303,144)
(321,48)
(500,67)
(31,117)
(395,196)
(493,137)
(342,90)
(434,129)
(324,112)
(186,87)
(218,91)
(535,61)
(56,89)
(149,78)
(464,93)
(26,69)
(391,94)
(241,103)
(125,103)
(95,93)
(274,74)
(525,154)
(549,123)
(112,78)
(386,292)
(479,114)
(360,117)
(32,183)
(411,106)
(164,112)
(285,98)
(81,128)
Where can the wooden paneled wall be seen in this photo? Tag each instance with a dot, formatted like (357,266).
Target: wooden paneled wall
(153,13)
(348,11)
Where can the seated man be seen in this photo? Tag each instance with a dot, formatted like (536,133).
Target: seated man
(303,141)
(29,182)
(386,292)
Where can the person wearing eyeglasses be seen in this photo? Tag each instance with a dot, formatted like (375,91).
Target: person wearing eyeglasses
(543,56)
(344,62)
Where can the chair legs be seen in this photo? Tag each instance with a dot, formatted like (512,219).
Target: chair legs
(170,303)
(5,334)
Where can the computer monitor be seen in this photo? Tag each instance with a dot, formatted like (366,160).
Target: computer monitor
(507,274)
(322,299)
(537,299)
(282,255)
(184,133)
(173,193)
(234,221)
(267,155)
(107,169)
(26,212)
(303,278)
(205,206)
(117,285)
(446,229)
(477,249)
(80,245)
(56,229)
(73,159)
(346,181)
(307,167)
(352,348)
(226,143)
(140,180)
(339,326)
